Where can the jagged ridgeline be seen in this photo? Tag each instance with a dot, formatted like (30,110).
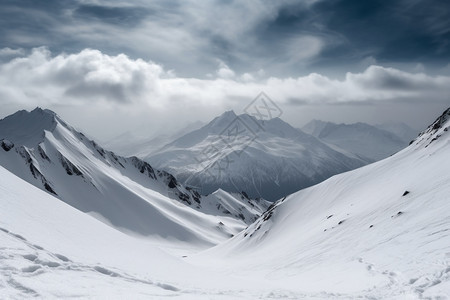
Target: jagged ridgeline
(125,192)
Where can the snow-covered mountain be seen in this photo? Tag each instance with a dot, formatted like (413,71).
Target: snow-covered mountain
(378,232)
(267,159)
(369,142)
(126,193)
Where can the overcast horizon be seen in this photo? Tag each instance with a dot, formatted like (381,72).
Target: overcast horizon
(108,67)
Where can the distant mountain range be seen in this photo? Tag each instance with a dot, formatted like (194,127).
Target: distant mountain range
(369,142)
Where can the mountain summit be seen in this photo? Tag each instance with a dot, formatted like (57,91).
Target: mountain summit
(267,159)
(27,128)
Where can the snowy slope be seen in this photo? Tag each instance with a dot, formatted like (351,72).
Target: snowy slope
(366,141)
(378,232)
(50,250)
(125,193)
(267,159)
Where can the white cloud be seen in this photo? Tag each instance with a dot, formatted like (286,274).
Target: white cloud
(224,71)
(119,84)
(93,76)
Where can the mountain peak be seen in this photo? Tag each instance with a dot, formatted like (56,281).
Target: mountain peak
(41,111)
(27,128)
(223,120)
(228,115)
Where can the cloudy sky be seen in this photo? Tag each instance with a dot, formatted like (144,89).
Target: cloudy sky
(113,66)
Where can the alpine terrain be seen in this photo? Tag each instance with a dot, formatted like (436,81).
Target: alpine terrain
(378,232)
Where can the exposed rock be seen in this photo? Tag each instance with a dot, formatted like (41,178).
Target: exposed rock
(43,154)
(6,145)
(70,168)
(143,167)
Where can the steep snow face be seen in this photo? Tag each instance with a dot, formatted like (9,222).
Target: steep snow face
(382,231)
(126,193)
(366,141)
(267,159)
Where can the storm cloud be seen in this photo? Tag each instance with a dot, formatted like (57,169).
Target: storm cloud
(283,38)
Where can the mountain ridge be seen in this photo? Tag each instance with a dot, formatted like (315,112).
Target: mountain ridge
(68,165)
(368,142)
